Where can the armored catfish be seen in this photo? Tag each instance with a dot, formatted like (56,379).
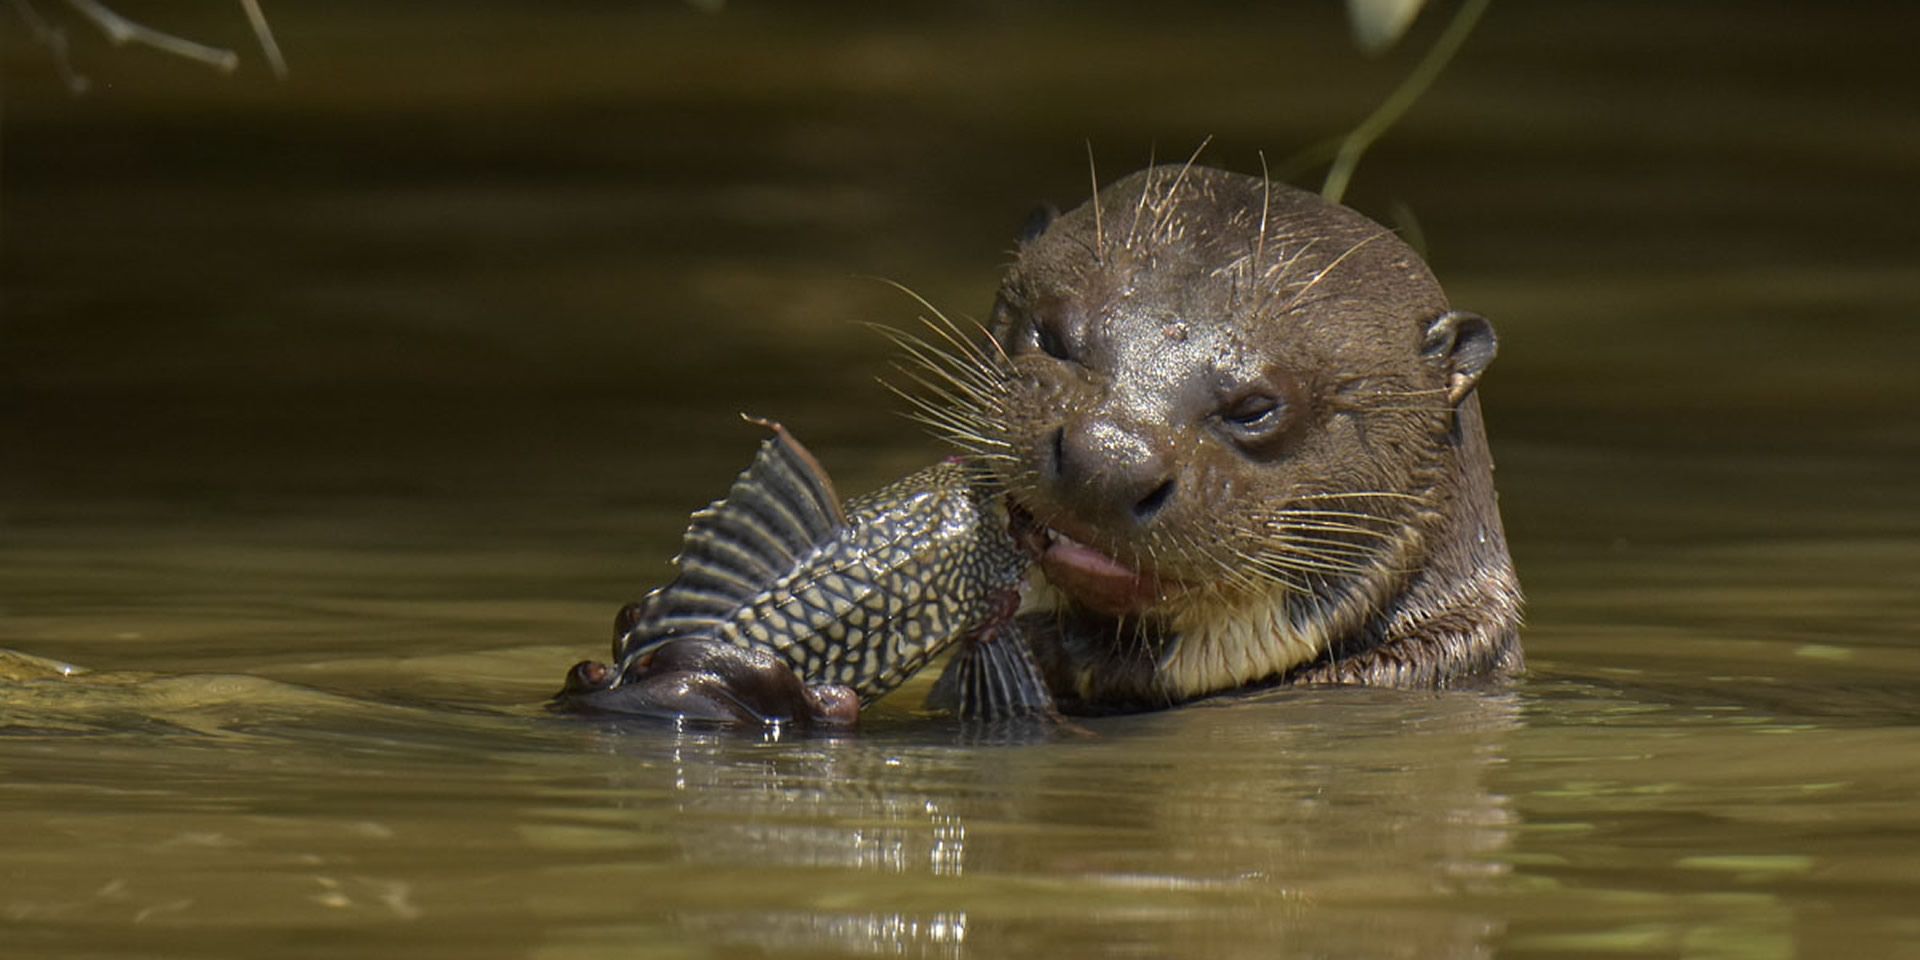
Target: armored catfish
(789,607)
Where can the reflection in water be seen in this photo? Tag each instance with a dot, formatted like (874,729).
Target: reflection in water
(873,934)
(1233,825)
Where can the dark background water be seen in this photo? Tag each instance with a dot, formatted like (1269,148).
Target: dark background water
(338,415)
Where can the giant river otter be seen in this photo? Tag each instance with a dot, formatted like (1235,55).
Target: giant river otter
(1247,420)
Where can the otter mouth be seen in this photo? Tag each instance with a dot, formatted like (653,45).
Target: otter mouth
(1091,577)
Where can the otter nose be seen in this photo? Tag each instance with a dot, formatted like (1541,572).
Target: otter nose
(1109,475)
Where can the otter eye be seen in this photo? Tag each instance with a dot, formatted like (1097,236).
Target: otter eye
(1042,324)
(1255,413)
(1047,337)
(1259,417)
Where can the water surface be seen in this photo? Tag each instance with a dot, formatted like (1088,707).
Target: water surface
(340,417)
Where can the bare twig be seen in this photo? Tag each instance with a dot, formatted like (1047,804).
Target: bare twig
(265,34)
(120,31)
(1402,97)
(55,40)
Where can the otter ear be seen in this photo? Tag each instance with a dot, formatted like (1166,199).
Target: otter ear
(1465,343)
(1037,223)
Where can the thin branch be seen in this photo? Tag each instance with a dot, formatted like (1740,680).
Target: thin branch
(1402,98)
(268,47)
(55,40)
(120,31)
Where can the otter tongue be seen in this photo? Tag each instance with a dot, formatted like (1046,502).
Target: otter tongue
(1097,580)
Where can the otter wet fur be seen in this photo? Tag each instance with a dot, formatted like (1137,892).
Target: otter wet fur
(1246,421)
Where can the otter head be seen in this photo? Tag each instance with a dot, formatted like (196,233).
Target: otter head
(1230,406)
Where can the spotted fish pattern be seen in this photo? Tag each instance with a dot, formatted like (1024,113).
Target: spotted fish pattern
(858,596)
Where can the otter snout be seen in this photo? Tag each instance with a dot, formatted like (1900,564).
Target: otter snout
(1108,475)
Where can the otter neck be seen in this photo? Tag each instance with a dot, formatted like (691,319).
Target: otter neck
(1459,615)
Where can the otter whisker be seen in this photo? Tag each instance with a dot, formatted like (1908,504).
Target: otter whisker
(959,406)
(964,353)
(999,360)
(1369,394)
(1242,568)
(1249,578)
(1339,519)
(1362,494)
(1277,273)
(1146,187)
(1333,534)
(1144,637)
(967,431)
(980,379)
(1195,553)
(979,409)
(1333,519)
(1235,575)
(1309,569)
(1281,578)
(977,373)
(1266,206)
(1162,214)
(1306,557)
(964,397)
(1324,546)
(984,448)
(966,438)
(968,347)
(1299,301)
(959,339)
(1334,516)
(1245,574)
(1325,570)
(1099,230)
(1256,573)
(932,412)
(1333,543)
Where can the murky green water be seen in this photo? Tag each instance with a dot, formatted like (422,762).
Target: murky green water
(338,418)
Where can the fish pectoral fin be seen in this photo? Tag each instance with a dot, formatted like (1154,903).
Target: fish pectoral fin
(993,676)
(777,511)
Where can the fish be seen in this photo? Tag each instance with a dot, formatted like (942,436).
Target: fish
(791,607)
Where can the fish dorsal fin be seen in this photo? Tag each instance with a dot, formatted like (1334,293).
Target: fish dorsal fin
(776,513)
(778,510)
